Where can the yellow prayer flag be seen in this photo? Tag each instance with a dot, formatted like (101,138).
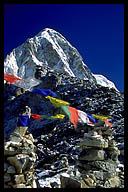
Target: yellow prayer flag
(58,116)
(101,117)
(57,102)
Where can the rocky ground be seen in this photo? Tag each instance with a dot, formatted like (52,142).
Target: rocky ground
(57,142)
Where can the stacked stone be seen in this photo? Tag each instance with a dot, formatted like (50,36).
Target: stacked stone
(19,160)
(98,159)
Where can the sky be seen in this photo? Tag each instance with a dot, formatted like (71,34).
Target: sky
(95,30)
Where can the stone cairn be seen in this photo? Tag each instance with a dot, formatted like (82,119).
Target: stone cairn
(98,159)
(19,160)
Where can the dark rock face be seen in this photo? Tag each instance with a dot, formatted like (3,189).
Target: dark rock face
(56,139)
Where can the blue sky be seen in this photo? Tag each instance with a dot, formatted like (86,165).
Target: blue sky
(95,30)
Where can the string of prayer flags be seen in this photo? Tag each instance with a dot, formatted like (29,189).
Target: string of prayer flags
(39,117)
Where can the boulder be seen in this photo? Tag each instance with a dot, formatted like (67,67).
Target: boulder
(29,137)
(94,142)
(89,181)
(20,186)
(10,151)
(20,130)
(103,165)
(6,165)
(112,182)
(92,155)
(19,179)
(69,182)
(16,163)
(11,169)
(7,177)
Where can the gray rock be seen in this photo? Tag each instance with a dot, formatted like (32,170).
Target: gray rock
(89,181)
(122,152)
(111,143)
(16,163)
(93,155)
(99,175)
(20,186)
(18,130)
(54,184)
(19,162)
(94,142)
(104,165)
(112,182)
(19,179)
(10,151)
(6,165)
(11,169)
(7,177)
(69,182)
(113,154)
(29,137)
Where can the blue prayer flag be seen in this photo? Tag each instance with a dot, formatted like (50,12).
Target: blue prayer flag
(92,118)
(44,92)
(23,121)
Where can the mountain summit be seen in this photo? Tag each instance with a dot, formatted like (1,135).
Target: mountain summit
(50,50)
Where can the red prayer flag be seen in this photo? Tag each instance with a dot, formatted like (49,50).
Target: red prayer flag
(36,117)
(109,124)
(74,116)
(11,78)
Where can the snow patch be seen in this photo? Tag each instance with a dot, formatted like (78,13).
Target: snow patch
(103,81)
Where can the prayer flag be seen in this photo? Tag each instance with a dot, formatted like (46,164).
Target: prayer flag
(36,117)
(83,118)
(39,117)
(92,119)
(44,92)
(28,83)
(101,117)
(23,121)
(108,123)
(72,114)
(11,78)
(58,116)
(57,102)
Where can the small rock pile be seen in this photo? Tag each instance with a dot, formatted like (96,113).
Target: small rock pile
(19,160)
(98,159)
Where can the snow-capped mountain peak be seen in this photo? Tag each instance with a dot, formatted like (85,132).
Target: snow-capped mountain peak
(49,49)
